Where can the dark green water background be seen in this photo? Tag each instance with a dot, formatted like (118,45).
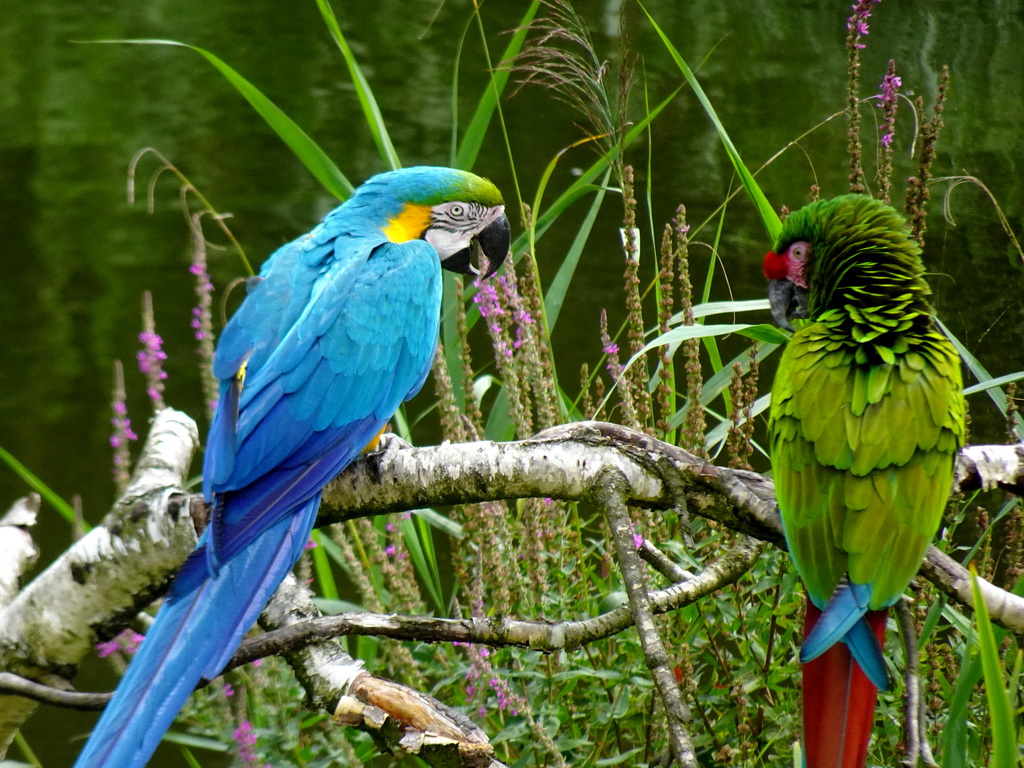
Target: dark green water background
(76,256)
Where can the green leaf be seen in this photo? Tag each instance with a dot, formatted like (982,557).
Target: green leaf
(768,334)
(368,102)
(416,535)
(725,308)
(585,182)
(334,607)
(619,759)
(768,216)
(981,387)
(468,150)
(555,296)
(1004,741)
(197,742)
(983,376)
(683,332)
(307,150)
(39,487)
(442,523)
(322,568)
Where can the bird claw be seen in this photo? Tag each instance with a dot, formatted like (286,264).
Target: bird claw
(389,441)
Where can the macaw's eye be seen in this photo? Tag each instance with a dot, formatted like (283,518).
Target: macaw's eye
(799,250)
(457,210)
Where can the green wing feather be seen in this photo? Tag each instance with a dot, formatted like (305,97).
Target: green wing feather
(867,418)
(863,458)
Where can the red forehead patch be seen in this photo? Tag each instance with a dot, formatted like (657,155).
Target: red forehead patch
(776,266)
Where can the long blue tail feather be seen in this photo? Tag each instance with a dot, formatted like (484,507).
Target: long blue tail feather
(195,634)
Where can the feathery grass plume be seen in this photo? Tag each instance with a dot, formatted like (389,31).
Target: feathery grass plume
(562,58)
(636,377)
(122,434)
(453,422)
(928,134)
(666,372)
(586,400)
(540,542)
(151,357)
(474,416)
(743,390)
(1011,412)
(694,424)
(1013,547)
(380,560)
(347,537)
(202,314)
(537,348)
(889,100)
(857,30)
(398,570)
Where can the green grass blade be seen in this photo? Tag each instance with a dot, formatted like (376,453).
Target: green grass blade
(984,377)
(307,150)
(420,545)
(38,486)
(322,568)
(556,292)
(585,182)
(374,119)
(444,524)
(768,216)
(1004,742)
(761,332)
(994,383)
(469,149)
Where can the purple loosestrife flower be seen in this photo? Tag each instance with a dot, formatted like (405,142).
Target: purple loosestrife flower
(127,642)
(493,313)
(122,433)
(245,740)
(105,649)
(202,313)
(858,21)
(151,357)
(889,95)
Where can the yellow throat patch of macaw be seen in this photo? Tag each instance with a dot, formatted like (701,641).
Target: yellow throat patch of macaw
(409,224)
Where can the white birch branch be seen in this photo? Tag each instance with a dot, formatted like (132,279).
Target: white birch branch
(17,550)
(104,579)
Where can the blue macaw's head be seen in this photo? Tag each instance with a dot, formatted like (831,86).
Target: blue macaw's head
(450,209)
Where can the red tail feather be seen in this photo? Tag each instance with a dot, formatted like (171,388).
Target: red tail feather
(838,702)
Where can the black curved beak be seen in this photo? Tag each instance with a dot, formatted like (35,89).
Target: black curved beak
(788,302)
(493,241)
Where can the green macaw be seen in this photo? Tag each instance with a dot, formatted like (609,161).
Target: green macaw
(867,418)
(339,329)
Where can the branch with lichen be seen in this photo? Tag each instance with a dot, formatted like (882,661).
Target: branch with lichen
(98,586)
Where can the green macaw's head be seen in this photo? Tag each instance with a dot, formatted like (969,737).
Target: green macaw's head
(850,250)
(457,212)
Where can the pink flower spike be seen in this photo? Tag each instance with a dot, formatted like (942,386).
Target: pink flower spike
(105,649)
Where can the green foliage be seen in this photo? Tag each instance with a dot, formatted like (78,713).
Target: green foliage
(735,652)
(1005,750)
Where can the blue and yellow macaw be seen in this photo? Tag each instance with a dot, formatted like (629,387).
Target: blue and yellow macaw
(338,330)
